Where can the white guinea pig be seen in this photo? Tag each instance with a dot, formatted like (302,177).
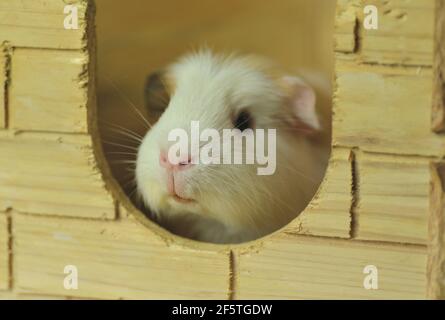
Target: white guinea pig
(224,203)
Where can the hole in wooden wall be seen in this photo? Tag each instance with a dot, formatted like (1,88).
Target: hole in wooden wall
(142,36)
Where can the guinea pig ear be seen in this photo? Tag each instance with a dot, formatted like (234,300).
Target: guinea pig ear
(302,101)
(156,93)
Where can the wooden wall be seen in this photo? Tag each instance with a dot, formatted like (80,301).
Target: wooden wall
(47,165)
(60,206)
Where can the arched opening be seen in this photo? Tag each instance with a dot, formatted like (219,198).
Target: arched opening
(150,35)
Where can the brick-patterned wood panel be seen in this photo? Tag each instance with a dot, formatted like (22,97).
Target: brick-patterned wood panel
(436,227)
(405,34)
(53,174)
(295,267)
(393,198)
(3,69)
(39,24)
(385,109)
(47,91)
(4,251)
(115,259)
(328,213)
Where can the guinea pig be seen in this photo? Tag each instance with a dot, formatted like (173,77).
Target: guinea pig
(229,203)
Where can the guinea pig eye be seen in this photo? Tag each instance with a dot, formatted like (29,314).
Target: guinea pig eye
(156,94)
(243,120)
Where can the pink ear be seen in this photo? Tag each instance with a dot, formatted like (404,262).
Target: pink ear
(302,101)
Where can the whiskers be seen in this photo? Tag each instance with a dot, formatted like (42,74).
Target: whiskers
(129,102)
(121,143)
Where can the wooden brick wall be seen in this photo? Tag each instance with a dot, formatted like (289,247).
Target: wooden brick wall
(4,251)
(53,101)
(53,199)
(436,256)
(115,260)
(47,162)
(383,110)
(383,104)
(3,77)
(395,209)
(37,24)
(328,214)
(372,209)
(311,268)
(47,159)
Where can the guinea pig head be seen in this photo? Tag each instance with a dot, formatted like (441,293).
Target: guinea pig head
(217,93)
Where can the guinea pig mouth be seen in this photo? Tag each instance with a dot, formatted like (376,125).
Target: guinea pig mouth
(179,198)
(176,193)
(182,200)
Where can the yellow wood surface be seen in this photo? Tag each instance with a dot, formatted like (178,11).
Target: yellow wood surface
(52,174)
(119,259)
(345,25)
(328,213)
(438,116)
(309,268)
(393,198)
(47,92)
(39,24)
(9,295)
(385,109)
(436,256)
(405,34)
(4,252)
(63,214)
(2,86)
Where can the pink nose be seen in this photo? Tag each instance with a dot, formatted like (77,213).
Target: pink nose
(182,165)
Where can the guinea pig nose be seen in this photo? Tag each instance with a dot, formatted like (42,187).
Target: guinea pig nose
(186,163)
(181,165)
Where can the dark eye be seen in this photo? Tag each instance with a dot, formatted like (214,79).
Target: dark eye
(243,120)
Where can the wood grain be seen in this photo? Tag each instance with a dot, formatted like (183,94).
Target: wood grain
(295,267)
(346,20)
(52,174)
(119,259)
(39,23)
(328,213)
(394,198)
(10,295)
(48,92)
(385,109)
(2,88)
(4,252)
(405,35)
(382,104)
(436,252)
(438,116)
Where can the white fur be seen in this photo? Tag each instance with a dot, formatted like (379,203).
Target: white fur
(233,203)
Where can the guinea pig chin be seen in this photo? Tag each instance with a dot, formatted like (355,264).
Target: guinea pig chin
(168,193)
(178,187)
